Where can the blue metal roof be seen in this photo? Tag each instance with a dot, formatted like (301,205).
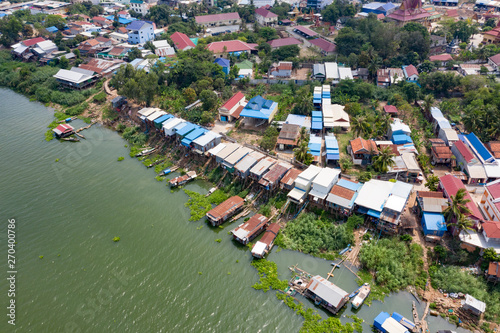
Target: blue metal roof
(259,108)
(317,114)
(163,118)
(222,62)
(389,6)
(186,129)
(373,213)
(334,157)
(400,139)
(349,185)
(331,142)
(317,125)
(479,147)
(397,316)
(52,29)
(195,134)
(137,25)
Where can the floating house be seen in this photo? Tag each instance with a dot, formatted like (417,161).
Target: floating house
(342,196)
(63,130)
(225,210)
(247,231)
(265,244)
(243,167)
(326,294)
(303,184)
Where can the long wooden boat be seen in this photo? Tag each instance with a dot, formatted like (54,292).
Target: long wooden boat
(181,180)
(363,293)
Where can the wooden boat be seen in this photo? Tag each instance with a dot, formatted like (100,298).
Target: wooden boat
(181,180)
(212,190)
(363,293)
(355,292)
(145,152)
(165,172)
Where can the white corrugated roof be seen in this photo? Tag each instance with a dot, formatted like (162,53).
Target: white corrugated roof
(410,161)
(71,76)
(395,203)
(327,290)
(331,70)
(297,194)
(206,138)
(217,149)
(474,303)
(259,248)
(171,123)
(476,171)
(309,174)
(373,194)
(345,73)
(229,149)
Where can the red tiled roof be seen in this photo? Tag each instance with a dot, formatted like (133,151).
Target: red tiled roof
(411,70)
(217,17)
(494,269)
(122,30)
(360,145)
(464,151)
(306,31)
(430,194)
(451,185)
(342,192)
(116,51)
(492,229)
(99,18)
(231,46)
(275,173)
(233,100)
(285,66)
(103,39)
(441,151)
(452,13)
(283,42)
(91,42)
(64,128)
(494,189)
(437,142)
(181,40)
(390,109)
(236,113)
(380,16)
(495,59)
(323,44)
(32,41)
(441,57)
(264,13)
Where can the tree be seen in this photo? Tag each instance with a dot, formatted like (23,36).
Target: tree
(10,28)
(134,53)
(428,103)
(463,224)
(303,154)
(209,99)
(411,91)
(63,62)
(285,52)
(55,21)
(150,46)
(345,163)
(457,206)
(384,160)
(189,95)
(432,183)
(268,33)
(304,103)
(360,126)
(268,141)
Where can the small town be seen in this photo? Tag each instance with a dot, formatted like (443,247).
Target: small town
(363,133)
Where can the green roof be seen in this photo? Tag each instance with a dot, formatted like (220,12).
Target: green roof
(194,40)
(245,64)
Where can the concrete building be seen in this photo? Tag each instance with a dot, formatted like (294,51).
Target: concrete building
(139,32)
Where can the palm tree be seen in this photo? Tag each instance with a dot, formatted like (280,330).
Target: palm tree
(303,154)
(384,160)
(360,126)
(374,65)
(302,135)
(457,207)
(428,102)
(463,224)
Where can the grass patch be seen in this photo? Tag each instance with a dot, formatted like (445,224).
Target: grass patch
(49,135)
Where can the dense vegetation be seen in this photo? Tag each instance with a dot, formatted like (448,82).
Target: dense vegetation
(394,263)
(453,279)
(312,235)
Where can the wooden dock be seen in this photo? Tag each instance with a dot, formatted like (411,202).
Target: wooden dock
(329,275)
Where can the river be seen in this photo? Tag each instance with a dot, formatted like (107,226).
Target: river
(166,274)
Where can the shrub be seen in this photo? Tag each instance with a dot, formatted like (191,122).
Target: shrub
(100,97)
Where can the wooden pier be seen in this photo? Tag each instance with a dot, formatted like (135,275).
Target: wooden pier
(329,275)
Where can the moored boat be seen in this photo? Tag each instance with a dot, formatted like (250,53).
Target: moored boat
(363,293)
(181,180)
(145,152)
